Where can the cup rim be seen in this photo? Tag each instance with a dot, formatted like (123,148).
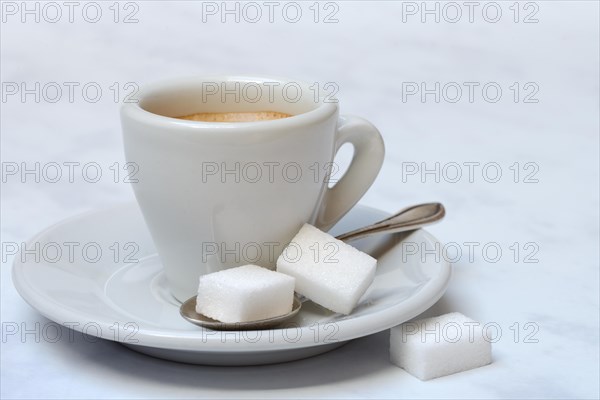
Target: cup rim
(134,111)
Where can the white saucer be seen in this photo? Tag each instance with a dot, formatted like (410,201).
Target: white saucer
(129,301)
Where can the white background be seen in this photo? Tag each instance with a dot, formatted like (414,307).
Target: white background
(370,53)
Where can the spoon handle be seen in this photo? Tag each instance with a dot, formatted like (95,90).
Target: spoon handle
(407,219)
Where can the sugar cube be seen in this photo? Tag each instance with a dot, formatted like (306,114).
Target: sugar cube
(327,271)
(434,347)
(246,293)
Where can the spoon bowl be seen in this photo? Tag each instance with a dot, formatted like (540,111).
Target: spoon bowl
(188,311)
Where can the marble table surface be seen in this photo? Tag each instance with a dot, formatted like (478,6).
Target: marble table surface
(517,168)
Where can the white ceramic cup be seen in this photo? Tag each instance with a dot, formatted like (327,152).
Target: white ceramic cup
(216,195)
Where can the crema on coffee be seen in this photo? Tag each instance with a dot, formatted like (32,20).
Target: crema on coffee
(236,116)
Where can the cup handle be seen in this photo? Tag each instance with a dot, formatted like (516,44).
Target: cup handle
(368,156)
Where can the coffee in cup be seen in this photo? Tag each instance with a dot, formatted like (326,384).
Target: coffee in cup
(235,116)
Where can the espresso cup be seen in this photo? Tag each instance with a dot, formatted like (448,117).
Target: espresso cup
(216,195)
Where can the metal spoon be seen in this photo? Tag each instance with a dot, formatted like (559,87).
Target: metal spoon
(408,219)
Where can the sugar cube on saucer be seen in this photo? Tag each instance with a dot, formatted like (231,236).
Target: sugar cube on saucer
(327,271)
(246,293)
(434,347)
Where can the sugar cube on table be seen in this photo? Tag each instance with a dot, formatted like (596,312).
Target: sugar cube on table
(246,293)
(327,271)
(434,347)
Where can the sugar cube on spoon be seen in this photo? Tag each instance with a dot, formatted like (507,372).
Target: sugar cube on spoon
(328,271)
(246,293)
